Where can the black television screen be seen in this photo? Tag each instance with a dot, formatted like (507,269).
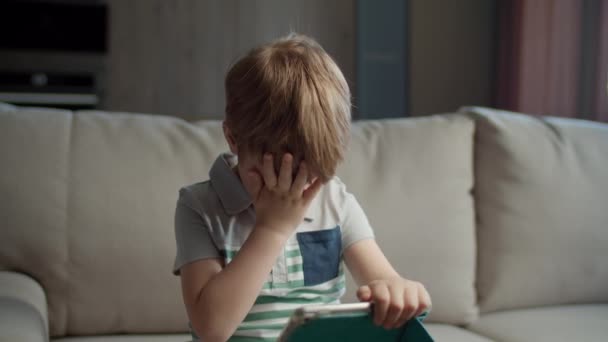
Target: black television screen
(78,26)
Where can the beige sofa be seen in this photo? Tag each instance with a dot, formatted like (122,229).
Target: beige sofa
(503,216)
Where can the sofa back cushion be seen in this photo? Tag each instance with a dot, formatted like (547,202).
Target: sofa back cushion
(89,197)
(88,209)
(34,153)
(413,177)
(541,194)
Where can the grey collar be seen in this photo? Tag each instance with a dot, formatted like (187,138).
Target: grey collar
(233,195)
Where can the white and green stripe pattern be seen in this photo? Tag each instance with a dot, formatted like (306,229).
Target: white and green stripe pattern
(279,298)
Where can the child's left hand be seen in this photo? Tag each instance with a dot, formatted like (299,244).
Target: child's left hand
(396,300)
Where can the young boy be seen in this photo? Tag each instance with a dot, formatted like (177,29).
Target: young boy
(268,234)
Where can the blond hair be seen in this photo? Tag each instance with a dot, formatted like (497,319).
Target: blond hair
(290,96)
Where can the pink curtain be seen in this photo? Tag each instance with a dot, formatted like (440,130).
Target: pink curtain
(540,60)
(601,97)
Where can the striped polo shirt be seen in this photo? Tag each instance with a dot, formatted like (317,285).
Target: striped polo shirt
(214,218)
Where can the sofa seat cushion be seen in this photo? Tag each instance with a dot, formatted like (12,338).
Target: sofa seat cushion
(128,338)
(558,323)
(446,332)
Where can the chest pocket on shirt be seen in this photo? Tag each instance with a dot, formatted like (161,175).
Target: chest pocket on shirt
(320,251)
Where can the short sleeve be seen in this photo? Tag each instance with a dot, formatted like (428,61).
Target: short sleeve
(355,225)
(191,234)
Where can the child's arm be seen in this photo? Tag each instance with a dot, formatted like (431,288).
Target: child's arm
(218,299)
(396,300)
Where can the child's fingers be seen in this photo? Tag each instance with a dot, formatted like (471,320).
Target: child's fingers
(364,293)
(270,178)
(395,307)
(401,321)
(424,300)
(381,298)
(310,193)
(285,172)
(410,300)
(297,188)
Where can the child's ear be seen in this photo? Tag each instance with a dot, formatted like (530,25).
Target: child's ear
(230,139)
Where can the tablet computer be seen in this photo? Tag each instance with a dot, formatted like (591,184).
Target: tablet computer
(347,322)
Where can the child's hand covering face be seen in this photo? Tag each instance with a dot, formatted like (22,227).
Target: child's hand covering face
(280,201)
(396,300)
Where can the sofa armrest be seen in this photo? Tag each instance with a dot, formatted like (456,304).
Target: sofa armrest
(23,310)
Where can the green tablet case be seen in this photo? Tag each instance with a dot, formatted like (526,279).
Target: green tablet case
(358,327)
